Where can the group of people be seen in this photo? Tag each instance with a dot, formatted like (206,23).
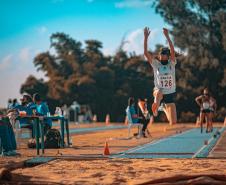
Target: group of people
(32,106)
(18,117)
(164,92)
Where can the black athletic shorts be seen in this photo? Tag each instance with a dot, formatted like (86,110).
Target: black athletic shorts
(205,111)
(168,98)
(211,110)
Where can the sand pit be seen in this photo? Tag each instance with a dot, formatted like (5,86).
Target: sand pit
(74,166)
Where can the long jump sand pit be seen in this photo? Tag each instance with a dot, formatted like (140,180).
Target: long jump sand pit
(83,163)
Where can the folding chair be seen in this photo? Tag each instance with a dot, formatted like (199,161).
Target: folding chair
(131,124)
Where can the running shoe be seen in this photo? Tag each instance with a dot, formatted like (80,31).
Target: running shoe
(161,107)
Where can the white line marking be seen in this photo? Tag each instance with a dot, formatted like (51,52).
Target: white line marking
(209,141)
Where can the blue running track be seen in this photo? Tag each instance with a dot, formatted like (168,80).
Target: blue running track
(188,144)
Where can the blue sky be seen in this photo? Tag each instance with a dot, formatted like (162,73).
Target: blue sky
(26,26)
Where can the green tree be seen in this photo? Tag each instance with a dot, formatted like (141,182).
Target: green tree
(31,84)
(198,28)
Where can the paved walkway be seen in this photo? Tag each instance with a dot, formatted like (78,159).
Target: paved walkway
(219,151)
(188,144)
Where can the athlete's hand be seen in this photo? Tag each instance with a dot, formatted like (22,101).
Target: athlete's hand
(147,32)
(166,32)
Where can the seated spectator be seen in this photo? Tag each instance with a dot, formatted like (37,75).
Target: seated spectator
(130,110)
(9,103)
(144,115)
(7,137)
(13,104)
(25,106)
(42,109)
(30,104)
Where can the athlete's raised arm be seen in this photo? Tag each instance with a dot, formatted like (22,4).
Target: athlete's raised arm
(199,100)
(146,53)
(172,51)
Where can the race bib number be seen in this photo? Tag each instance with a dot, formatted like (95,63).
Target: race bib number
(166,81)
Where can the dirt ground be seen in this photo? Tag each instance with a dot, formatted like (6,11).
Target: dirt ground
(84,163)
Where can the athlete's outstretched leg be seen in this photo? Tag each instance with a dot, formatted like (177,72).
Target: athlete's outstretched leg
(171,113)
(167,113)
(157,99)
(208,126)
(202,117)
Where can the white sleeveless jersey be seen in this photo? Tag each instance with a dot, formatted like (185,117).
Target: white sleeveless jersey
(206,105)
(164,76)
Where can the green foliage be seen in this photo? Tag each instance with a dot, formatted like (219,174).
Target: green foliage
(199,28)
(89,77)
(32,84)
(106,82)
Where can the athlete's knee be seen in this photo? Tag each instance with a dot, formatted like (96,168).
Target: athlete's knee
(171,106)
(158,93)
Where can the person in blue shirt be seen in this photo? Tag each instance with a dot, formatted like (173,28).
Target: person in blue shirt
(134,117)
(25,100)
(13,104)
(42,109)
(131,109)
(24,122)
(9,103)
(144,115)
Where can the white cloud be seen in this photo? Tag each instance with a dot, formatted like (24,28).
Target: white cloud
(6,62)
(37,51)
(42,29)
(135,40)
(133,3)
(15,79)
(14,69)
(24,54)
(108,51)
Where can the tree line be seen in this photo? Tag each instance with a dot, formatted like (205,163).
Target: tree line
(85,74)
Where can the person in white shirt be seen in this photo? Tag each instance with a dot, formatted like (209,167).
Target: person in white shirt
(164,77)
(207,106)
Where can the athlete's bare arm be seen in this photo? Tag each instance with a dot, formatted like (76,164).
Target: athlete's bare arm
(146,53)
(199,100)
(172,51)
(215,104)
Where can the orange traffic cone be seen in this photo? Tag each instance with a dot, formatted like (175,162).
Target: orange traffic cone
(126,121)
(107,119)
(225,122)
(106,149)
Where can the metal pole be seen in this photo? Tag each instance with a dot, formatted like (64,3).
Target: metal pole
(62,130)
(37,134)
(42,136)
(67,130)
